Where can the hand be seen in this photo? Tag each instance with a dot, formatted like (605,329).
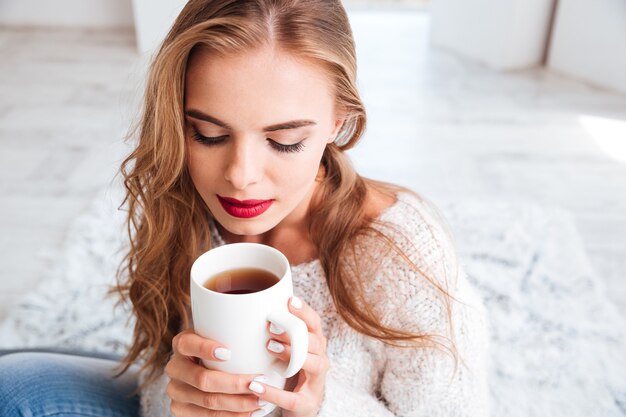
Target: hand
(197,391)
(307,396)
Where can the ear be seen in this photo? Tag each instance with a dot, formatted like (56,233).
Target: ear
(337,128)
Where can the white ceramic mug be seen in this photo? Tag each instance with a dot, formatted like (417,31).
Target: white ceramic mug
(239,321)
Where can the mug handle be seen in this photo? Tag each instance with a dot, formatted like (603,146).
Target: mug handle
(299,337)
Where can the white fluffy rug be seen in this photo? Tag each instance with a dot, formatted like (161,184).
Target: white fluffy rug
(557,342)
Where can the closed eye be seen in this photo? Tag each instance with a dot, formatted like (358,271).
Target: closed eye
(277,146)
(205,140)
(296,147)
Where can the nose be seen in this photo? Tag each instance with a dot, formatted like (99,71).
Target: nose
(243,167)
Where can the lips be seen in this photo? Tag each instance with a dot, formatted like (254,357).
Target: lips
(245,209)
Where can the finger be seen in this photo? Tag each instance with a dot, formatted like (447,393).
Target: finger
(207,380)
(317,343)
(303,311)
(286,400)
(188,343)
(313,364)
(190,410)
(183,393)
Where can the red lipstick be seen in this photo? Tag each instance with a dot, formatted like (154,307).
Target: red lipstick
(245,209)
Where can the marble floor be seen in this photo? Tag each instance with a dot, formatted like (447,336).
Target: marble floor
(443,125)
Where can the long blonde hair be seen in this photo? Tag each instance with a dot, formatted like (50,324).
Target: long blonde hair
(168,222)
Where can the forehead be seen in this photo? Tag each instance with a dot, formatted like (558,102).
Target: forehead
(260,84)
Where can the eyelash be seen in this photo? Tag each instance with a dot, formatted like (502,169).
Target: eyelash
(279,147)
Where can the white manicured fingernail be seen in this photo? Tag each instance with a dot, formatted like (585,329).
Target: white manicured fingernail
(259,413)
(256,387)
(262,403)
(276,329)
(296,302)
(222,353)
(276,347)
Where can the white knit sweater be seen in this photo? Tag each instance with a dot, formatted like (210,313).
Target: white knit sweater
(369,378)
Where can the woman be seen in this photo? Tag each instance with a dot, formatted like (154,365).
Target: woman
(256,100)
(250,107)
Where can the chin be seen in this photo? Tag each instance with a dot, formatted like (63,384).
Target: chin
(246,227)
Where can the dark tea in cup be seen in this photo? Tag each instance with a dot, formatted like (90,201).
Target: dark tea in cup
(241,281)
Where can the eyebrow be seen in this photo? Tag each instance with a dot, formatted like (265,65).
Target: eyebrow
(293,124)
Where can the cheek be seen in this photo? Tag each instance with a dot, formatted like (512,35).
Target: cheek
(299,172)
(199,164)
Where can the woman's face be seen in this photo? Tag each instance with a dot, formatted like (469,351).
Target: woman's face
(256,127)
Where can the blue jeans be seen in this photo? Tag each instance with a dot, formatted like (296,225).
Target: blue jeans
(38,383)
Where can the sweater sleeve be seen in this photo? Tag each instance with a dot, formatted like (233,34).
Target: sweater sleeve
(425,381)
(342,399)
(428,381)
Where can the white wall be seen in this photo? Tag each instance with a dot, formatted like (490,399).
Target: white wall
(83,13)
(504,34)
(589,41)
(153,20)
